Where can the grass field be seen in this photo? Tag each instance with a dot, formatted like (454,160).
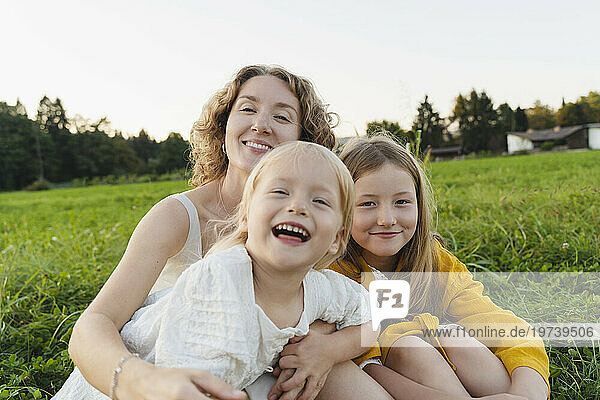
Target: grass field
(523,213)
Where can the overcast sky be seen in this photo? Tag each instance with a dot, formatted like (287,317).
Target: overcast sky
(153,64)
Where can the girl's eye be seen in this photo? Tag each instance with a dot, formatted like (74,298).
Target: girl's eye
(247,109)
(279,191)
(366,204)
(402,202)
(321,201)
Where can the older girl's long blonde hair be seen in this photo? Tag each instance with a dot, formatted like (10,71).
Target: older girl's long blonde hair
(289,153)
(208,133)
(418,256)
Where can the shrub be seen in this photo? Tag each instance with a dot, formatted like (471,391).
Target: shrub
(546,146)
(40,184)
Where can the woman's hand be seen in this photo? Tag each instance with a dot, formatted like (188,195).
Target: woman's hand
(310,358)
(502,396)
(142,380)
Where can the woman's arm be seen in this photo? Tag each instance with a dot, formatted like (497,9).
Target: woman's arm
(96,346)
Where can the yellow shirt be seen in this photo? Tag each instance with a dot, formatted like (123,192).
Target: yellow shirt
(465,305)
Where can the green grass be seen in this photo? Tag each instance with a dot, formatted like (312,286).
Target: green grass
(513,213)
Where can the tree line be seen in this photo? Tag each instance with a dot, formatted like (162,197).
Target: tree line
(480,127)
(58,149)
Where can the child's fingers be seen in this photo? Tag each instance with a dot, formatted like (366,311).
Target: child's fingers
(320,385)
(291,394)
(276,390)
(276,371)
(208,383)
(290,349)
(299,379)
(312,388)
(289,362)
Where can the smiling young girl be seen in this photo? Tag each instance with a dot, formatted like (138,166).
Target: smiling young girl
(232,312)
(260,108)
(391,234)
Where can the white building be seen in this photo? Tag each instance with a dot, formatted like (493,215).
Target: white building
(594,136)
(575,137)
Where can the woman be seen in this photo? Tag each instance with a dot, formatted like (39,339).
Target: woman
(261,108)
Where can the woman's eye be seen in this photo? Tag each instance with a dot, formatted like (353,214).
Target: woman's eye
(282,118)
(402,202)
(279,191)
(247,109)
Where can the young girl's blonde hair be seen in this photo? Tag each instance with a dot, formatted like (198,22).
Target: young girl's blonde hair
(364,156)
(287,153)
(208,133)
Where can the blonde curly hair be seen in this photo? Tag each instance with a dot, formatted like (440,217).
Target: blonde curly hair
(208,133)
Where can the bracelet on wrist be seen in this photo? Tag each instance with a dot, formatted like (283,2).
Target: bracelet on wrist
(117,371)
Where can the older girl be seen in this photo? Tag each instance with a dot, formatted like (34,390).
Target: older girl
(391,234)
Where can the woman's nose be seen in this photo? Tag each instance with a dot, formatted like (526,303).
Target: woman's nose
(261,123)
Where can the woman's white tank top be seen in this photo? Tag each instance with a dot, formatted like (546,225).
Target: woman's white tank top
(189,253)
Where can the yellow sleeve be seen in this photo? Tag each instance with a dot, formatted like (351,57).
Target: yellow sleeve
(466,305)
(372,352)
(344,268)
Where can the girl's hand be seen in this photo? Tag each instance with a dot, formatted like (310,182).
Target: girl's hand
(310,357)
(144,380)
(282,376)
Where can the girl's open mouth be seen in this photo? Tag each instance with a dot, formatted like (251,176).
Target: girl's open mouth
(291,232)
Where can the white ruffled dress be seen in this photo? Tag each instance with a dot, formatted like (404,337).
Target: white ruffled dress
(209,320)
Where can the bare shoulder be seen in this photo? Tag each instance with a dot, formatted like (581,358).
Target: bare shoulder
(165,225)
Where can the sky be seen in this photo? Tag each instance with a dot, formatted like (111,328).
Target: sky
(153,64)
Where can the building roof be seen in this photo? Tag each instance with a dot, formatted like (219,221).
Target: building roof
(555,133)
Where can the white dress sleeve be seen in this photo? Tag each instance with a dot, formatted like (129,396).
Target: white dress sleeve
(337,299)
(205,323)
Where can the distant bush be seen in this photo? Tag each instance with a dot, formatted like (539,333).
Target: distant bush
(178,175)
(40,184)
(549,145)
(481,154)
